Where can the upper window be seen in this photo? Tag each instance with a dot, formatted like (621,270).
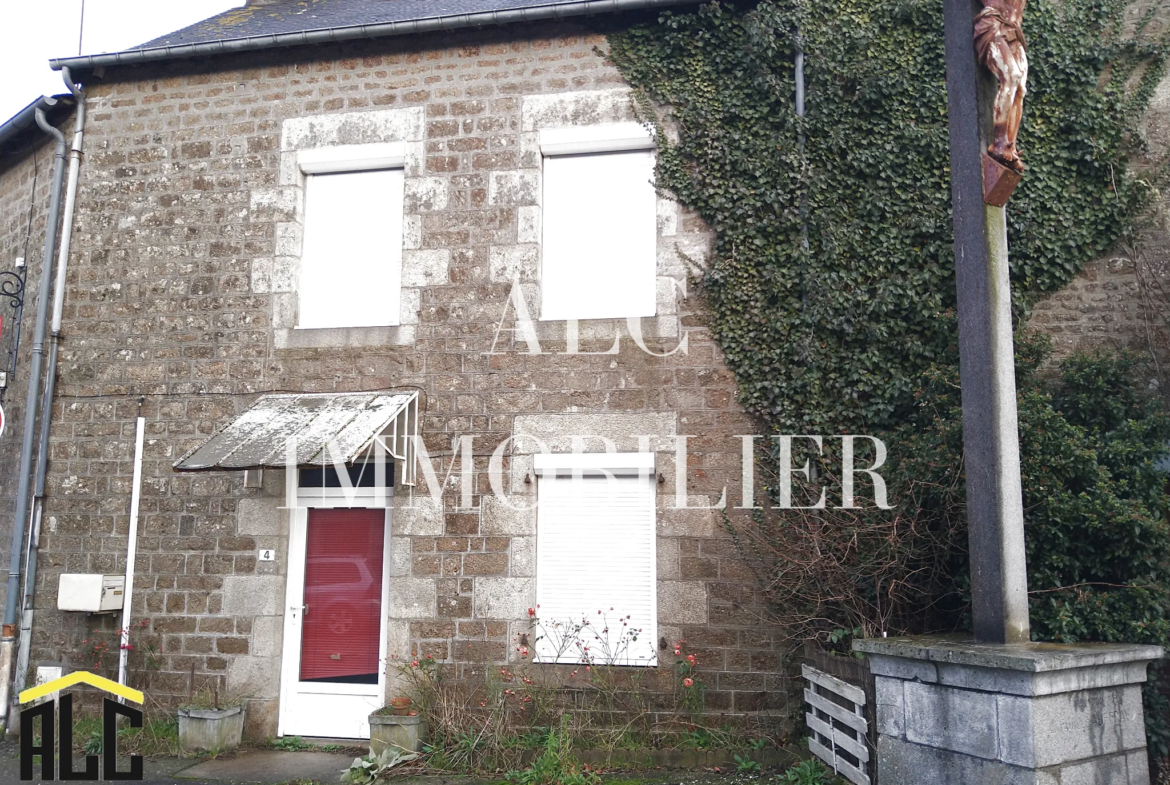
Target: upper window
(595,559)
(351,256)
(600,226)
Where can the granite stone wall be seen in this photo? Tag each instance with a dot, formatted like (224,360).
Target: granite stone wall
(1101,308)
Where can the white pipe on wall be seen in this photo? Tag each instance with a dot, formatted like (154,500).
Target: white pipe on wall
(131,546)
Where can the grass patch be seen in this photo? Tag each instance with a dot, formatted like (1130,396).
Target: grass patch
(157,738)
(290,744)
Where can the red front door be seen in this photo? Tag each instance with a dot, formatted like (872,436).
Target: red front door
(343,596)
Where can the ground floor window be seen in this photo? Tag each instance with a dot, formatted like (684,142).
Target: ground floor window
(595,565)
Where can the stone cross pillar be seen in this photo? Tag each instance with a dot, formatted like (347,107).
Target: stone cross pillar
(999,709)
(995,513)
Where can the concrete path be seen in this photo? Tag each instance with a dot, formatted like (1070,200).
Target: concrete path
(248,766)
(269,766)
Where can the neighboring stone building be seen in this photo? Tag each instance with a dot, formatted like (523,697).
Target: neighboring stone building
(1105,306)
(208,270)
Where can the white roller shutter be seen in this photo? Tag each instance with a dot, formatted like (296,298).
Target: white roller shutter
(351,258)
(599,256)
(595,551)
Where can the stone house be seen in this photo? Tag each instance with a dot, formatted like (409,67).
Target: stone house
(350,227)
(330,227)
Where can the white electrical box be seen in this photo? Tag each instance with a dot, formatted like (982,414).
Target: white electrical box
(91,593)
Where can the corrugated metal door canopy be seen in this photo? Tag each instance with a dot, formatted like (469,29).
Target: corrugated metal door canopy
(310,422)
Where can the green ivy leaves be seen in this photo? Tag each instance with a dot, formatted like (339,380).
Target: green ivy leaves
(836,337)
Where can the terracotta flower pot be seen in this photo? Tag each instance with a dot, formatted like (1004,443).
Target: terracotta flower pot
(401,706)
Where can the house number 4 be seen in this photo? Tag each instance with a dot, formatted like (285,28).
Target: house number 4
(267,554)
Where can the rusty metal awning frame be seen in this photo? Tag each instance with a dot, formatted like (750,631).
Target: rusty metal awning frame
(319,427)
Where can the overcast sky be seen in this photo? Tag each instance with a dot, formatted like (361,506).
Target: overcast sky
(35,30)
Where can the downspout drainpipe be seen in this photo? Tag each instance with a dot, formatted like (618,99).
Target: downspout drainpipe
(800,80)
(30,407)
(34,540)
(799,76)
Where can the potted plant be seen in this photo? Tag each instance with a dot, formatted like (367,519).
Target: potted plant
(207,724)
(401,706)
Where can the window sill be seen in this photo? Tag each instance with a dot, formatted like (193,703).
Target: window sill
(339,337)
(653,327)
(583,319)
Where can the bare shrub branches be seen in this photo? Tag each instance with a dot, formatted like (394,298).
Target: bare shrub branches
(831,573)
(1153,277)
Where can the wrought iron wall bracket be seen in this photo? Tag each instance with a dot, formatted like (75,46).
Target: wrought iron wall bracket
(12,287)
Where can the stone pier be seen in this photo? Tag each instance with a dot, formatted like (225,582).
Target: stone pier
(962,713)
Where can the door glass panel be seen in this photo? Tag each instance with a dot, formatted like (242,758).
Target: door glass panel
(343,596)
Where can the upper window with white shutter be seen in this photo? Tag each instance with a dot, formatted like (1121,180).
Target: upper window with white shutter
(599,254)
(595,559)
(351,254)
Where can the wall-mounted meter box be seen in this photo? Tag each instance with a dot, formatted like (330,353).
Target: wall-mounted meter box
(91,593)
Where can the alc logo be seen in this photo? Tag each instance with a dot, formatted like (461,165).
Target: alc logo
(46,712)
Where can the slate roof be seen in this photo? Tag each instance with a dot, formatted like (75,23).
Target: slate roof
(299,22)
(294,16)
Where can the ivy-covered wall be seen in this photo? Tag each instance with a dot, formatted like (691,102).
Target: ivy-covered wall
(832,294)
(836,335)
(1114,302)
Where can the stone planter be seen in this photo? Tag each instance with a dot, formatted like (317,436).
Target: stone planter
(388,730)
(210,730)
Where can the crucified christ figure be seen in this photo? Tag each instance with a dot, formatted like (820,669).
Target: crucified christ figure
(1001,49)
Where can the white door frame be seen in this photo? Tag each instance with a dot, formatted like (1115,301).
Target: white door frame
(290,685)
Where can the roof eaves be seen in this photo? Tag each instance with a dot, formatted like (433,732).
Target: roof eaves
(355,32)
(26,119)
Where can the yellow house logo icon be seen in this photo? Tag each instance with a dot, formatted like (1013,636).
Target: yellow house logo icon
(46,712)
